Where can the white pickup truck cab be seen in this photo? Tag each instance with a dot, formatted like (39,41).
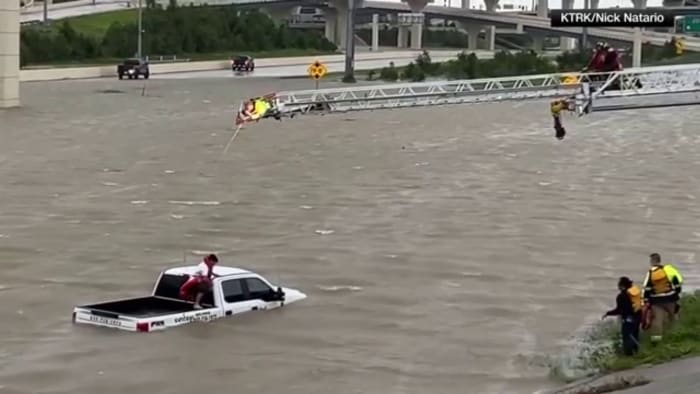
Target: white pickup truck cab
(234,292)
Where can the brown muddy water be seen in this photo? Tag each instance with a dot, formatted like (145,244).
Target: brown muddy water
(444,250)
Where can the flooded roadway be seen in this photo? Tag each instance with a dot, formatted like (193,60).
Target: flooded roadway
(441,248)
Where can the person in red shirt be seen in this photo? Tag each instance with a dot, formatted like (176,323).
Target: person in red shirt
(200,283)
(595,64)
(612,61)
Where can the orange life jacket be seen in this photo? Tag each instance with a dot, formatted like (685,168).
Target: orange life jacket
(635,295)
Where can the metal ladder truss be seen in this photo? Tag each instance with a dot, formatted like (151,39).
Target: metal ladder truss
(586,88)
(637,83)
(403,95)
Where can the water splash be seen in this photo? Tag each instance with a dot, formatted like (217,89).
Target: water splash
(584,352)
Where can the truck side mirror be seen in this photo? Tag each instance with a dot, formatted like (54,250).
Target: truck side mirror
(280,294)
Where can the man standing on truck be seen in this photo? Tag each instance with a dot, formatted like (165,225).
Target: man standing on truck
(206,267)
(201,282)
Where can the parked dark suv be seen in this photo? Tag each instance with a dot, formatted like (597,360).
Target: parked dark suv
(242,63)
(132,68)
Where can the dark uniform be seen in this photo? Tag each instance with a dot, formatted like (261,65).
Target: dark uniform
(629,308)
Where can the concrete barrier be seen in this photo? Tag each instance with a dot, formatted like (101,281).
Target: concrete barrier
(55,74)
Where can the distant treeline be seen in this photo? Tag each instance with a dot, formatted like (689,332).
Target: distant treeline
(505,64)
(171,31)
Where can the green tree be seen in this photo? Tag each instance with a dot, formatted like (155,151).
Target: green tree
(174,30)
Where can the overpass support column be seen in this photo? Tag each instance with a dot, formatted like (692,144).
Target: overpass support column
(331,16)
(490,38)
(567,43)
(337,22)
(375,32)
(412,22)
(491,5)
(9,54)
(637,48)
(542,8)
(402,37)
(473,37)
(538,43)
(417,36)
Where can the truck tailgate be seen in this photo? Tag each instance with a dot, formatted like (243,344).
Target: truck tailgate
(104,319)
(141,314)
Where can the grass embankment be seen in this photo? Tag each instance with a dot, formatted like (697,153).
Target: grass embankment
(189,33)
(96,25)
(682,340)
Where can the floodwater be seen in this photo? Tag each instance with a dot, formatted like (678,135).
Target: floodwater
(444,250)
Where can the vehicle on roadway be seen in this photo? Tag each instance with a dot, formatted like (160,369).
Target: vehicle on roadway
(132,68)
(242,63)
(234,292)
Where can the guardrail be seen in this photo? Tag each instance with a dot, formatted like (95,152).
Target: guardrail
(165,59)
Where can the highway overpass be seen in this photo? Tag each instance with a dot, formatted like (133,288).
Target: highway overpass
(516,22)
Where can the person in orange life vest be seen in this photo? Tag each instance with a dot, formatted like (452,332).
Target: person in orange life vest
(662,289)
(629,308)
(200,283)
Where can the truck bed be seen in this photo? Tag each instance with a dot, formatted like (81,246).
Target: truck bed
(140,307)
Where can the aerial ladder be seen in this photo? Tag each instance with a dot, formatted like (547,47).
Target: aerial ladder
(579,93)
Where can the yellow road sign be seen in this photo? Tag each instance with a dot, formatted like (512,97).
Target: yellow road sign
(317,70)
(679,45)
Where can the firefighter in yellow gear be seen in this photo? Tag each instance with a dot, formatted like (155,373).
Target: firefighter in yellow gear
(556,107)
(662,289)
(254,109)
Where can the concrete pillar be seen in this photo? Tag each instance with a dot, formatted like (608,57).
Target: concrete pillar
(402,37)
(594,4)
(466,4)
(639,3)
(341,27)
(491,5)
(417,36)
(542,8)
(331,16)
(375,32)
(538,43)
(473,37)
(490,38)
(337,21)
(9,53)
(567,43)
(637,48)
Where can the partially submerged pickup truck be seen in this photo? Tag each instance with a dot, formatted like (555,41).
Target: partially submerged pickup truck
(234,292)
